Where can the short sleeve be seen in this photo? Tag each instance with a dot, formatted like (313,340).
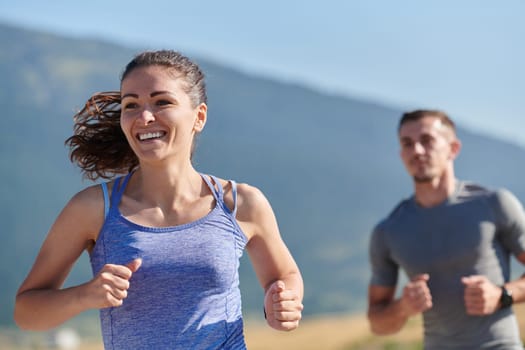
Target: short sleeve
(510,217)
(384,270)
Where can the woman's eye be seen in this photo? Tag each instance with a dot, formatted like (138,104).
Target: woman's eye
(129,105)
(163,102)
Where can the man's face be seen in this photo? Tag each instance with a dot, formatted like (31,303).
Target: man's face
(427,148)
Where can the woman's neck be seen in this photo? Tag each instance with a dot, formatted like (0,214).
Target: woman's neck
(165,185)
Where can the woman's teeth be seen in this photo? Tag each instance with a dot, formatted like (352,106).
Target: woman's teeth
(150,135)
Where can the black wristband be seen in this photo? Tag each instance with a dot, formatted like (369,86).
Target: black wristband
(506,299)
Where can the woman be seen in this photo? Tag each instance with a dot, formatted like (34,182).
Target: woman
(164,240)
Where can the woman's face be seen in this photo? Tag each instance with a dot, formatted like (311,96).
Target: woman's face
(158,117)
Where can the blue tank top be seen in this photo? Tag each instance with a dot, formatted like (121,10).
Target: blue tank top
(185,295)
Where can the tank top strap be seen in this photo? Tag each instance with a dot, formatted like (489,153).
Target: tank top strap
(220,190)
(104,186)
(212,188)
(118,189)
(218,193)
(234,194)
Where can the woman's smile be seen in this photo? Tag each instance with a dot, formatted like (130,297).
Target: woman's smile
(151,135)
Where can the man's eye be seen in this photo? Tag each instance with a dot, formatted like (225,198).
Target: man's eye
(427,141)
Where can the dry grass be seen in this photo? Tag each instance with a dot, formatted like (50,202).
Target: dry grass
(326,333)
(340,333)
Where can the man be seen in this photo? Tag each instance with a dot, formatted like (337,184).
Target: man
(453,239)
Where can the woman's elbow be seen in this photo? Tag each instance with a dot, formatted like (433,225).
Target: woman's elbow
(25,318)
(21,318)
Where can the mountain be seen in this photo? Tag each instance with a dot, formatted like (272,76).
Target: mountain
(328,163)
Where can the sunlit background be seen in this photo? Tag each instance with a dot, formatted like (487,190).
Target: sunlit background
(462,56)
(465,57)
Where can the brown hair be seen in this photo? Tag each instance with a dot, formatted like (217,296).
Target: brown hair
(421,113)
(98,145)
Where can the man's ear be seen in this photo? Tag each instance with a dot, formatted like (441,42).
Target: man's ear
(200,117)
(455,148)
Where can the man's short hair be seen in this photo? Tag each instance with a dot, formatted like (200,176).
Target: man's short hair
(421,113)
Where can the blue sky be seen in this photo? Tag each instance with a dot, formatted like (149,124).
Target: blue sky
(466,57)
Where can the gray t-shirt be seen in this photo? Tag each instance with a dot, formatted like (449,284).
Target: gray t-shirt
(474,232)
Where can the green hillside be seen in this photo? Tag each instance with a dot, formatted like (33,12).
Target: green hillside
(327,163)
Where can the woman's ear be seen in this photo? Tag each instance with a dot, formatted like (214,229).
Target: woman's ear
(200,117)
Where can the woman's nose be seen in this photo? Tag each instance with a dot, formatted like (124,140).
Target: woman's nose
(147,115)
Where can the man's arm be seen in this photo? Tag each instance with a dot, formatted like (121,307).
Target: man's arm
(517,286)
(482,297)
(388,315)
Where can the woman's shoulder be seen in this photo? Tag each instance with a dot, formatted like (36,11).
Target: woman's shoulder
(90,195)
(249,199)
(87,207)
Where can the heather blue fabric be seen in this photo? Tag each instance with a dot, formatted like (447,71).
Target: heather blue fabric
(474,232)
(106,198)
(186,293)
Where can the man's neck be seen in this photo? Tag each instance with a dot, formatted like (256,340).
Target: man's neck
(432,193)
